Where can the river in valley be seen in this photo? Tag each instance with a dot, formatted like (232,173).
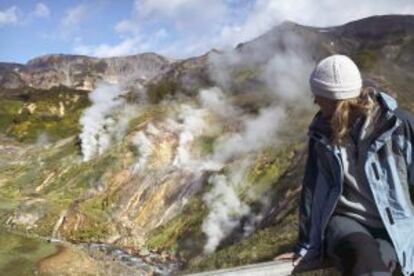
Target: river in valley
(22,255)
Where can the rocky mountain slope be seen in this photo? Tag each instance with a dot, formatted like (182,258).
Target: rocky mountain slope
(79,72)
(199,159)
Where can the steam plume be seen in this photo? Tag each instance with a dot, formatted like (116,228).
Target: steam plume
(104,121)
(226,209)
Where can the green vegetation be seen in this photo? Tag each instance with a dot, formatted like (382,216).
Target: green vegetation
(206,144)
(279,232)
(55,176)
(8,108)
(54,112)
(365,59)
(183,233)
(58,179)
(19,255)
(263,245)
(151,113)
(158,91)
(94,231)
(269,166)
(245,74)
(405,55)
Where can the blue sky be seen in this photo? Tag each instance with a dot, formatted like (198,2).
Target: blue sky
(175,28)
(56,30)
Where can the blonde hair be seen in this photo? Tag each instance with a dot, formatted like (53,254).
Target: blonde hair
(347,111)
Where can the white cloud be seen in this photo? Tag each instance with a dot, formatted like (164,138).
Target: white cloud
(41,10)
(9,16)
(128,46)
(340,12)
(69,24)
(125,26)
(153,22)
(74,16)
(13,15)
(184,15)
(195,26)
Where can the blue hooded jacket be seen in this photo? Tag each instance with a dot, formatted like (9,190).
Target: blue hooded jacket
(389,171)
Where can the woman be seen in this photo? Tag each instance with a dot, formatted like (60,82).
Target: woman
(355,206)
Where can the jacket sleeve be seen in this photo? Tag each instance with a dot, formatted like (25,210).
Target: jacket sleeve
(306,198)
(408,143)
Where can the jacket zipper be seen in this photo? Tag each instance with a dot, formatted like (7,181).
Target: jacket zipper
(334,206)
(337,198)
(339,161)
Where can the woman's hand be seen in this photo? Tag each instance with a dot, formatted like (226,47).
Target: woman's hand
(296,258)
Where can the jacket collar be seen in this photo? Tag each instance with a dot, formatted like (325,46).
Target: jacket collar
(320,130)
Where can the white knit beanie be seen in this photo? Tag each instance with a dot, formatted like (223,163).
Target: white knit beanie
(336,77)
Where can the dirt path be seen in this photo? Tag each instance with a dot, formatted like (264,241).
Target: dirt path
(67,261)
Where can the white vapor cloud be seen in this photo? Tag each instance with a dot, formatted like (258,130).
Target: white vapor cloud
(105,121)
(266,14)
(259,131)
(41,10)
(225,208)
(145,147)
(286,74)
(255,133)
(9,16)
(285,71)
(216,101)
(192,125)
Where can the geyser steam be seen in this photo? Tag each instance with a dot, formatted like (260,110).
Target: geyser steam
(104,121)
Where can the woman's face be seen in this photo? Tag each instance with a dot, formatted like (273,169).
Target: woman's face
(326,105)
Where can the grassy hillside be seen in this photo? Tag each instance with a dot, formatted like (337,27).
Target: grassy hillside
(30,114)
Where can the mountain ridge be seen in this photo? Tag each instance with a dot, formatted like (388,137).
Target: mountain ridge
(83,72)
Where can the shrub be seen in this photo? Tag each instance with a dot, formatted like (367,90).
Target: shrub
(158,91)
(365,59)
